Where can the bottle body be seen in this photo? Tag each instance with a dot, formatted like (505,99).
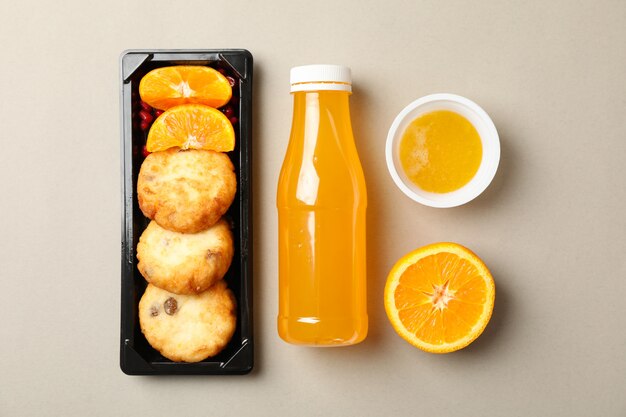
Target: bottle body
(321,203)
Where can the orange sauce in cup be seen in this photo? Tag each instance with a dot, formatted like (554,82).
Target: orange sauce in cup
(440,151)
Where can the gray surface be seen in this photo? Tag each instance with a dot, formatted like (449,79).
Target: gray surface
(551,227)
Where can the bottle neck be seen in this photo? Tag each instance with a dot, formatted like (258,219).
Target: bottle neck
(324,108)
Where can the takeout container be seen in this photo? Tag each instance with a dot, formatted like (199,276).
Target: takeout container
(137,357)
(488,136)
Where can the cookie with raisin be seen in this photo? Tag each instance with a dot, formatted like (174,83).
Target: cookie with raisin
(188,328)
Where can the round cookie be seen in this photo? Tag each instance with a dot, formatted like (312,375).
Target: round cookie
(186,191)
(188,328)
(185,263)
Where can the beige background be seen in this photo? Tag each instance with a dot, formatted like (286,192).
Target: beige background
(551,227)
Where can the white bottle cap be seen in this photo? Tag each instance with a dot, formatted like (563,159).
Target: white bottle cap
(321,77)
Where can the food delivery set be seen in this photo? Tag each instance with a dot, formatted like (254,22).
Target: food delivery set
(187,215)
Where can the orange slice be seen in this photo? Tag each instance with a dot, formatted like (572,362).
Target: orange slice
(167,87)
(191,126)
(439,297)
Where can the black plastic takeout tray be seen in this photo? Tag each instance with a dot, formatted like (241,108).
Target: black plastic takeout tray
(137,357)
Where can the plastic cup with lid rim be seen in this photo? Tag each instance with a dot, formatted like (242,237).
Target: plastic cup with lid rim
(489,139)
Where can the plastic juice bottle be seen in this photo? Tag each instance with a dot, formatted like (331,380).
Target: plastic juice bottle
(321,204)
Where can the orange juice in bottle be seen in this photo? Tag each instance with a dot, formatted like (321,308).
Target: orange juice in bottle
(321,203)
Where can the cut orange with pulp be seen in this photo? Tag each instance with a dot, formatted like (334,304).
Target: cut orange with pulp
(191,126)
(439,297)
(167,87)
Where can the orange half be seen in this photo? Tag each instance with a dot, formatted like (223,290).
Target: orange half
(191,126)
(439,297)
(167,87)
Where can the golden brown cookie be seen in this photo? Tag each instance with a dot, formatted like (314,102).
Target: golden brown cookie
(185,263)
(188,328)
(186,191)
